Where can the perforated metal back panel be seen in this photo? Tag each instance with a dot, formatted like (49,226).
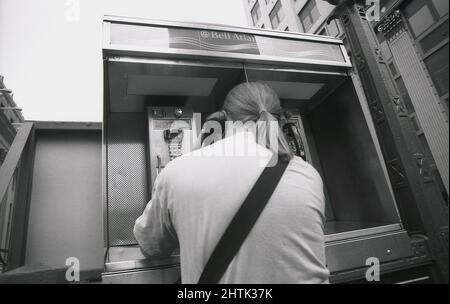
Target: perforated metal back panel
(127,175)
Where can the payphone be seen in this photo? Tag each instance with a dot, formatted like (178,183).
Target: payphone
(171,133)
(158,75)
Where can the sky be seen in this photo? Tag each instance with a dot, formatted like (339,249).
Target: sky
(50,50)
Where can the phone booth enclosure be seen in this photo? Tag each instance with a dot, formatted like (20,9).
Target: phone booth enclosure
(329,125)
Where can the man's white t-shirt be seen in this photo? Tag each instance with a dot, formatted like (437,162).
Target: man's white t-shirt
(196,196)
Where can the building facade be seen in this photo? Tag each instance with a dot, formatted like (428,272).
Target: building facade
(10,116)
(305,16)
(413,36)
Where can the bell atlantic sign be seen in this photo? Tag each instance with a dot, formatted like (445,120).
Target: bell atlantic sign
(227,36)
(217,41)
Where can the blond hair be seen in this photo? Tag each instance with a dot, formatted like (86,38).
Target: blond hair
(257,102)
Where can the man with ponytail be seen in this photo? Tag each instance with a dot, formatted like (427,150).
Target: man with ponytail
(197,195)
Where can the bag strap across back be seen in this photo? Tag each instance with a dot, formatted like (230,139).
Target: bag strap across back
(242,223)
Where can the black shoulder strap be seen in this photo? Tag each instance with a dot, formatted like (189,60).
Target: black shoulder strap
(242,223)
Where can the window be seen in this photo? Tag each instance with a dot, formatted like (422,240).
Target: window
(437,65)
(323,32)
(423,14)
(421,20)
(441,7)
(435,38)
(276,15)
(333,28)
(256,13)
(309,15)
(428,21)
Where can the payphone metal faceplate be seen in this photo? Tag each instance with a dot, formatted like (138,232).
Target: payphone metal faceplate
(171,133)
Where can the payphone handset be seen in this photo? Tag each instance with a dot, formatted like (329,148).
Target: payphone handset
(174,139)
(294,139)
(171,134)
(293,131)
